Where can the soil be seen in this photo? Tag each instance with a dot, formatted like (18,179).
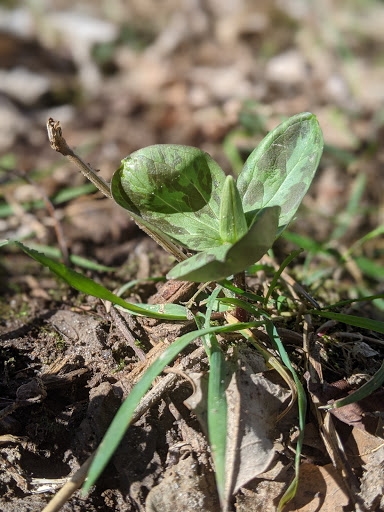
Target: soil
(215,75)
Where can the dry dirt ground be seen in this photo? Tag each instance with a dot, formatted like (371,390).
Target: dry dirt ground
(121,75)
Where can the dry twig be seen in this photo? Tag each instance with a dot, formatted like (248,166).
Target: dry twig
(59,144)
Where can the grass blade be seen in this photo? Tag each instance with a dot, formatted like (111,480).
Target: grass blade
(356,321)
(302,402)
(370,268)
(247,295)
(344,220)
(90,287)
(365,390)
(305,242)
(53,252)
(351,301)
(123,417)
(285,263)
(217,402)
(369,236)
(217,415)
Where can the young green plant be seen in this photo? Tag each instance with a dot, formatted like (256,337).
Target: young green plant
(182,198)
(214,226)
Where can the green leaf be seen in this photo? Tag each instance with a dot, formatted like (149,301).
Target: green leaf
(351,301)
(220,262)
(233,224)
(217,401)
(279,171)
(174,190)
(55,253)
(285,263)
(370,268)
(359,394)
(302,402)
(247,295)
(305,242)
(217,414)
(356,321)
(90,287)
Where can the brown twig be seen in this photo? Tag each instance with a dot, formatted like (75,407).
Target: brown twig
(59,144)
(357,336)
(123,328)
(69,488)
(239,281)
(52,212)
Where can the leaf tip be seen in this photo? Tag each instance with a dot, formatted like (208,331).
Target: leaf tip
(233,224)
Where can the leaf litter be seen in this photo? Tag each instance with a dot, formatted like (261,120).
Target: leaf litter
(165,101)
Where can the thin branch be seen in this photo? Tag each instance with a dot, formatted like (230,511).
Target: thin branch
(64,494)
(52,212)
(59,144)
(239,281)
(123,328)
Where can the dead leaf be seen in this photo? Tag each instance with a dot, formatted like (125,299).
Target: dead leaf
(364,449)
(254,402)
(320,488)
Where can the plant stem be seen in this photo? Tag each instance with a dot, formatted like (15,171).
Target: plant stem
(239,282)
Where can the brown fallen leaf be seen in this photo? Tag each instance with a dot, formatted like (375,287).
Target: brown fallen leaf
(254,403)
(320,488)
(364,449)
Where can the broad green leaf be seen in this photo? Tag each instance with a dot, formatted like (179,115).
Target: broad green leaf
(174,190)
(204,266)
(233,224)
(90,287)
(220,262)
(165,241)
(279,171)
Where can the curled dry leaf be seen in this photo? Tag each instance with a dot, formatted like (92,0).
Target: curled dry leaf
(254,403)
